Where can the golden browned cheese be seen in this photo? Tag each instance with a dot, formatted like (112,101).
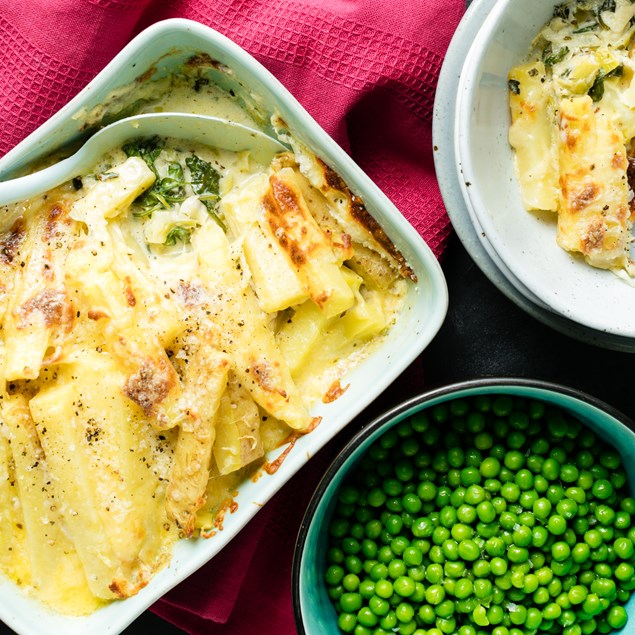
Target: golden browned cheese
(594,213)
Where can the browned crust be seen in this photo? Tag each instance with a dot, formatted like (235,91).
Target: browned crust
(56,215)
(202,59)
(53,305)
(129,293)
(334,392)
(276,203)
(265,376)
(151,384)
(11,241)
(361,215)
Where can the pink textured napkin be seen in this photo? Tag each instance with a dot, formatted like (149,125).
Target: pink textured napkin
(367,71)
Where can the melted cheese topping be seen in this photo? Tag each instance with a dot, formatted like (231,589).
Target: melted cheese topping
(166,319)
(573,122)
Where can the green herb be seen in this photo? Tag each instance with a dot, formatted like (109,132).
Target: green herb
(178,234)
(204,180)
(148,149)
(596,92)
(554,58)
(514,86)
(607,5)
(561,11)
(164,193)
(586,28)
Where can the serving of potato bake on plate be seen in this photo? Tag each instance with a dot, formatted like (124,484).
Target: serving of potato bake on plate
(541,137)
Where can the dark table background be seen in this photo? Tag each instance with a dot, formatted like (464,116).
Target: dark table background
(484,334)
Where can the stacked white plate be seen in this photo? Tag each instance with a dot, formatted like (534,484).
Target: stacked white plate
(516,249)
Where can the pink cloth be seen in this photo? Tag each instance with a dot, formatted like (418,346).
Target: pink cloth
(367,71)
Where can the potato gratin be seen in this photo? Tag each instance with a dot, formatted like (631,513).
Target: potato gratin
(167,319)
(573,123)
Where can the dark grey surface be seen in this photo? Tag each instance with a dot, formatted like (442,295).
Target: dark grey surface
(485,334)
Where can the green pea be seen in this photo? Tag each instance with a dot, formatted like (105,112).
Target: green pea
(560,551)
(603,587)
(522,536)
(507,520)
(592,605)
(544,575)
(461,531)
(624,571)
(474,495)
(445,609)
(411,503)
(602,489)
(550,469)
(623,548)
(351,602)
(435,594)
(366,617)
(347,622)
(517,554)
(454,569)
(495,546)
(483,441)
(499,503)
(617,617)
(481,568)
(487,530)
(479,615)
(466,514)
(585,480)
(405,612)
(604,514)
(581,552)
(510,492)
(334,575)
(542,508)
(412,555)
(436,555)
(396,568)
(469,550)
(470,476)
(518,614)
(422,527)
(561,568)
(383,588)
(567,508)
(557,525)
(440,535)
(434,573)
(524,479)
(426,614)
(490,467)
(539,536)
(622,520)
(404,586)
(569,473)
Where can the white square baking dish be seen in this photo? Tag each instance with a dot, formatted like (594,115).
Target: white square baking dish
(156,52)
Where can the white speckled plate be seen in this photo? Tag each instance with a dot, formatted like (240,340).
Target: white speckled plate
(505,241)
